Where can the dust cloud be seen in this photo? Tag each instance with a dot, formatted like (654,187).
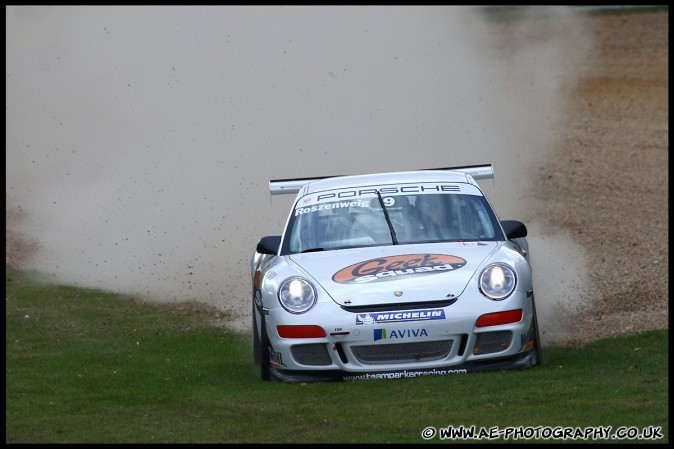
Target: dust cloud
(140,139)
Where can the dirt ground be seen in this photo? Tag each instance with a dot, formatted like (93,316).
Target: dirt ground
(607,183)
(609,178)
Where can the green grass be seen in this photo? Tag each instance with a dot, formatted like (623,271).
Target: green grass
(87,366)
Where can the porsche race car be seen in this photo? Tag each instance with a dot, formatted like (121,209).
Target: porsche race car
(392,275)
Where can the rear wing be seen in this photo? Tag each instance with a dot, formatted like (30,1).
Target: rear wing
(283,186)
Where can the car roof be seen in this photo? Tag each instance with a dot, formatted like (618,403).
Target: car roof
(338,182)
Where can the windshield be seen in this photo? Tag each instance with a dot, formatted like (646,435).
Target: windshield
(321,223)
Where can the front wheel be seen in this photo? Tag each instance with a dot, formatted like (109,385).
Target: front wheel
(257,345)
(537,337)
(261,347)
(265,366)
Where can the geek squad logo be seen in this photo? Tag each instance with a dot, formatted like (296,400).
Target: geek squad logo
(392,267)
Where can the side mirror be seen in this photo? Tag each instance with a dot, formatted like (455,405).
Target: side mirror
(514,229)
(269,245)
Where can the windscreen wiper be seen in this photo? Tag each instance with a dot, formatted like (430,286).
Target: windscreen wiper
(388,219)
(313,250)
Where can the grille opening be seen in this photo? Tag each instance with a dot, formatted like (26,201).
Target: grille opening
(491,342)
(381,354)
(401,306)
(462,345)
(312,354)
(341,353)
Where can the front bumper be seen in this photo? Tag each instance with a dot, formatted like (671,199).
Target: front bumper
(403,343)
(519,361)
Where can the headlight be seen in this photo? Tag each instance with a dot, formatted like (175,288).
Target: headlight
(497,281)
(297,295)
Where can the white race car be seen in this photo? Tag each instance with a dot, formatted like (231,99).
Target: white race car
(392,275)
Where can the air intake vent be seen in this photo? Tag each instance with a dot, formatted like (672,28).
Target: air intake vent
(425,351)
(491,342)
(314,354)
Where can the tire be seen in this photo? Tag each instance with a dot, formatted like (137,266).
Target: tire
(537,337)
(261,348)
(265,367)
(257,345)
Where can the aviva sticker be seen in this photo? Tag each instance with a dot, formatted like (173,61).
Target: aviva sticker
(382,334)
(379,334)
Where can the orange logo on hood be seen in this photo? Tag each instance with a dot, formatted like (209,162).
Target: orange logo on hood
(390,268)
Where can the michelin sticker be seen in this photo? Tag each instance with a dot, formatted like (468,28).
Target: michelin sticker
(399,317)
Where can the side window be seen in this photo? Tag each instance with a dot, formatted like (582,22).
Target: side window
(485,225)
(469,221)
(306,233)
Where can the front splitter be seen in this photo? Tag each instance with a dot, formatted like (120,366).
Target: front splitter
(519,361)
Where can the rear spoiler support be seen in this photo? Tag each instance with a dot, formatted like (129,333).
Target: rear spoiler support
(284,186)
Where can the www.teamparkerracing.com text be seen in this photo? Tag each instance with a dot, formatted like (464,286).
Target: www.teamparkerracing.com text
(542,433)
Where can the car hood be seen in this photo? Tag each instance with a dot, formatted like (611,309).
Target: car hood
(395,274)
